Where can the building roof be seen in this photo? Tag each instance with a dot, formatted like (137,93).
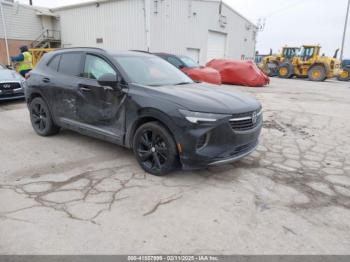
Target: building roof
(95,2)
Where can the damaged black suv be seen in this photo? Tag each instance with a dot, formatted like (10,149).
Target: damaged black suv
(140,101)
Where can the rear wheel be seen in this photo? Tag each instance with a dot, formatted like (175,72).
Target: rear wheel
(317,73)
(155,149)
(41,119)
(285,71)
(270,69)
(344,75)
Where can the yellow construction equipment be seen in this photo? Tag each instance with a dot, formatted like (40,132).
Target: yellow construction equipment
(270,64)
(37,54)
(310,64)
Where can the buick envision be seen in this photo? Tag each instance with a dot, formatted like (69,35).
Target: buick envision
(139,101)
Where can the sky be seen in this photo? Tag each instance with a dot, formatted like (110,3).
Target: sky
(287,22)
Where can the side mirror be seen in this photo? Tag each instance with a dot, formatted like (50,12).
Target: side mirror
(108,79)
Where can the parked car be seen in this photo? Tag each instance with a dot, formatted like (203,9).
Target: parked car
(11,84)
(139,101)
(238,72)
(192,69)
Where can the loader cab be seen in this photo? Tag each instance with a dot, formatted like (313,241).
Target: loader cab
(290,52)
(308,52)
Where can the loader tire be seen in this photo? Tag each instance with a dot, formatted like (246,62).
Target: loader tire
(285,71)
(344,75)
(317,73)
(270,69)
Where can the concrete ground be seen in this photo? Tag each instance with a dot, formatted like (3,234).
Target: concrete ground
(71,194)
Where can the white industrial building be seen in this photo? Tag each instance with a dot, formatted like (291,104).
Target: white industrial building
(201,29)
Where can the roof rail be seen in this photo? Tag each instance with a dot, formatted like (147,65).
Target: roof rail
(80,47)
(141,51)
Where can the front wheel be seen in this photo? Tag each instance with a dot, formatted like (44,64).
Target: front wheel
(155,149)
(41,119)
(344,75)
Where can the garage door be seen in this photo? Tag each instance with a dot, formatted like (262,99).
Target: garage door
(216,45)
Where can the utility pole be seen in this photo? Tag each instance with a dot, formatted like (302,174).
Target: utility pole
(30,2)
(5,32)
(344,34)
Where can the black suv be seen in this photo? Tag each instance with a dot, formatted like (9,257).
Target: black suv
(139,101)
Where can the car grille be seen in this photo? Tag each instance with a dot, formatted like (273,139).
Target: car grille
(9,86)
(246,121)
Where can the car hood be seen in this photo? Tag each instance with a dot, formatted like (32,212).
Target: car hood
(207,98)
(10,75)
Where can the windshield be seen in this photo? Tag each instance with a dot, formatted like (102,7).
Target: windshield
(306,52)
(189,62)
(151,71)
(290,52)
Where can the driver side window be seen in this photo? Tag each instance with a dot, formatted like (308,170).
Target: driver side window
(96,67)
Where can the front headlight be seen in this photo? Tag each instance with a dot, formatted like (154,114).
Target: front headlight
(197,117)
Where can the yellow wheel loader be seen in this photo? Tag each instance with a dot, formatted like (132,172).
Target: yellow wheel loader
(270,64)
(344,74)
(309,64)
(37,54)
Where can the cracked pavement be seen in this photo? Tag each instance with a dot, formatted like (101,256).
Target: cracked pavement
(71,194)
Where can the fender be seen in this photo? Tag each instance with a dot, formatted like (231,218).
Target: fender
(146,115)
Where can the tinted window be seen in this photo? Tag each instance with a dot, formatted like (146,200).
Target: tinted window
(70,64)
(96,67)
(189,62)
(53,64)
(151,70)
(174,61)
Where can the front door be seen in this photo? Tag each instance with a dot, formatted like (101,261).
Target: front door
(100,108)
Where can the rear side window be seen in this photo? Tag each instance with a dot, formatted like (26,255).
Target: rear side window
(70,64)
(174,61)
(53,64)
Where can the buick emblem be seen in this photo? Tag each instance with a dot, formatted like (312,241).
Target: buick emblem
(6,85)
(254,118)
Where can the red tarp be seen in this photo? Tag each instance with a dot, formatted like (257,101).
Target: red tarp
(203,74)
(238,72)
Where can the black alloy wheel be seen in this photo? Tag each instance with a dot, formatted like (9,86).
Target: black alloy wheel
(41,118)
(155,149)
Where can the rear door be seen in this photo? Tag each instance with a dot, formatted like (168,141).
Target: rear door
(65,70)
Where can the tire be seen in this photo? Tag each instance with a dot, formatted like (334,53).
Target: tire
(317,73)
(285,71)
(41,119)
(344,75)
(155,149)
(270,69)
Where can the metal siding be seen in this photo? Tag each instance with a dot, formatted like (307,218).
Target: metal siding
(22,23)
(173,26)
(119,23)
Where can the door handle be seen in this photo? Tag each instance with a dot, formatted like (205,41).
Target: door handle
(46,80)
(84,89)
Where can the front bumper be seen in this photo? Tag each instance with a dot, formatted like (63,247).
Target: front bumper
(11,93)
(223,144)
